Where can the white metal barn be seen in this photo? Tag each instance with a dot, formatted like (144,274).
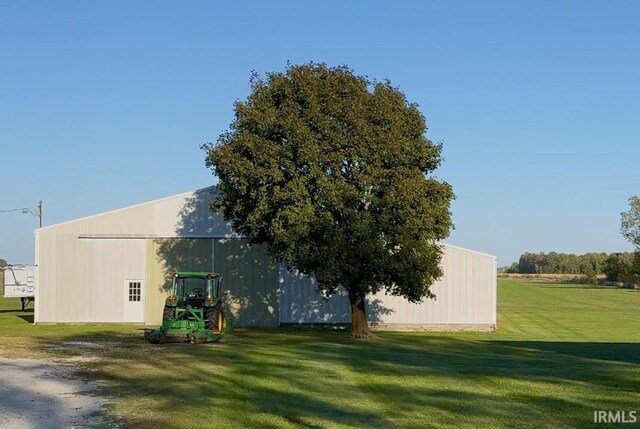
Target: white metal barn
(93,269)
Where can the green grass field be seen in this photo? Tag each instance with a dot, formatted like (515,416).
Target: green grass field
(561,352)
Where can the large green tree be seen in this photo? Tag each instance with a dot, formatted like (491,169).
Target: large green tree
(334,173)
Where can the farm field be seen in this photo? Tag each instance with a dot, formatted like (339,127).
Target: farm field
(561,352)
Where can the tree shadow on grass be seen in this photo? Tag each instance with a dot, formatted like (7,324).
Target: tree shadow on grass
(319,378)
(615,352)
(593,287)
(551,384)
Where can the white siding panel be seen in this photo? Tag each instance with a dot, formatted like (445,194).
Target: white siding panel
(46,274)
(82,280)
(36,315)
(465,296)
(136,220)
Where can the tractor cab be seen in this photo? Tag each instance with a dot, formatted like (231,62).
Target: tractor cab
(195,289)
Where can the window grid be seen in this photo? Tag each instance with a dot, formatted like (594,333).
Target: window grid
(135,289)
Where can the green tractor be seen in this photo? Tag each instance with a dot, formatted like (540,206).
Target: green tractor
(193,311)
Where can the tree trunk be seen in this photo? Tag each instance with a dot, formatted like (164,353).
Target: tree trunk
(359,326)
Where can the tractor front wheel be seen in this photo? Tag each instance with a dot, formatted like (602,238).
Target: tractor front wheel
(169,313)
(215,319)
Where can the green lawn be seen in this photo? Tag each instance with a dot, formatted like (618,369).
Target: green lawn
(561,352)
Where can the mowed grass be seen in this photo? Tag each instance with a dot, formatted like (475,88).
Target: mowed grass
(561,352)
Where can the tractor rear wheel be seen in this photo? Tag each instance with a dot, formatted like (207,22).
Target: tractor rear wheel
(215,319)
(169,313)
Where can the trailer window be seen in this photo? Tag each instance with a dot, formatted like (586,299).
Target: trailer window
(135,289)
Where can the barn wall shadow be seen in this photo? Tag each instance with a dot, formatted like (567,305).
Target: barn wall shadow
(207,243)
(252,281)
(302,302)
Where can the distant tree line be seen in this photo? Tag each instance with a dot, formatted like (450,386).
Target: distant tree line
(589,264)
(621,267)
(617,267)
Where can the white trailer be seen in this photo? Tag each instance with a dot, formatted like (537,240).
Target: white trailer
(19,282)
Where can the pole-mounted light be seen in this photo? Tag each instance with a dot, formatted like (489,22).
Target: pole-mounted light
(35,211)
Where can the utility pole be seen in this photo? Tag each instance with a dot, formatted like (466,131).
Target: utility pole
(37,211)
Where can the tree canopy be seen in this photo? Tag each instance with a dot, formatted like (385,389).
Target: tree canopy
(630,229)
(334,173)
(630,222)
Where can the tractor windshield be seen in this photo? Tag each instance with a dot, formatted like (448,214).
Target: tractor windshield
(192,287)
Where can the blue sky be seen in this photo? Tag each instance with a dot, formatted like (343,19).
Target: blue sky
(105,104)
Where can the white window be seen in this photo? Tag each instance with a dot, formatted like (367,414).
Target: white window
(135,291)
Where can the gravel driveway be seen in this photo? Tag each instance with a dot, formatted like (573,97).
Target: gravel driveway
(39,394)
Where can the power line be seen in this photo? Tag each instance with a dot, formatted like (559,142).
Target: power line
(23,210)
(36,211)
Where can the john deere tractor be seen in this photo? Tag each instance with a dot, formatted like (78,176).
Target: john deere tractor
(193,311)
